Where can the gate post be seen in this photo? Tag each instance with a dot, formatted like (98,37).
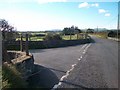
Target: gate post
(26,45)
(21,43)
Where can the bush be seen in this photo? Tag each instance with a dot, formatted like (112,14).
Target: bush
(112,34)
(12,78)
(53,37)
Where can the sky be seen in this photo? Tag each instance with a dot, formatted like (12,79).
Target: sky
(41,15)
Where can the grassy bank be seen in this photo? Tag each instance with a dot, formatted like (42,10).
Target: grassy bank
(11,78)
(100,35)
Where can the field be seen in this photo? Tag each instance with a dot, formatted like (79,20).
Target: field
(33,36)
(73,37)
(32,39)
(41,38)
(100,35)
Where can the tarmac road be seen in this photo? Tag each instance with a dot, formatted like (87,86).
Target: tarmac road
(93,65)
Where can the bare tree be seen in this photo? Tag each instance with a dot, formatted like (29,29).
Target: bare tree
(7,34)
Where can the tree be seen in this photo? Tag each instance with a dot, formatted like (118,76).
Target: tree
(66,31)
(8,31)
(77,30)
(112,34)
(71,30)
(90,30)
(50,37)
(7,34)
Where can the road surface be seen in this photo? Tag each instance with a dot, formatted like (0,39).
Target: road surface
(93,65)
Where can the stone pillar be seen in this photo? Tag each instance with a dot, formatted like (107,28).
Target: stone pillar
(26,45)
(21,43)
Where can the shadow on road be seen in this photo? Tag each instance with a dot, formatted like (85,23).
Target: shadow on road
(37,50)
(57,70)
(45,78)
(92,40)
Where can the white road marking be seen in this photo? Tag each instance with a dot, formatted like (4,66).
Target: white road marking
(79,59)
(86,49)
(83,46)
(56,86)
(65,76)
(86,46)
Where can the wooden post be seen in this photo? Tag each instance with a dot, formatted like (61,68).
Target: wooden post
(70,35)
(21,43)
(77,34)
(29,37)
(85,35)
(26,45)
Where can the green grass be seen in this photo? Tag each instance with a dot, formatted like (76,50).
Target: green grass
(36,38)
(11,78)
(100,35)
(32,39)
(64,37)
(73,37)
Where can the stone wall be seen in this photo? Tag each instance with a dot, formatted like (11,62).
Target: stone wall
(46,44)
(24,64)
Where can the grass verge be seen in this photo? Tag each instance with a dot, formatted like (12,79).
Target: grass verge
(11,78)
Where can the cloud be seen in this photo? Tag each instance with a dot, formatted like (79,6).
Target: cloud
(95,5)
(87,5)
(83,5)
(107,14)
(102,10)
(49,1)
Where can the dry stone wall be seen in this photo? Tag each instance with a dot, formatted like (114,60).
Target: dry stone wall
(24,64)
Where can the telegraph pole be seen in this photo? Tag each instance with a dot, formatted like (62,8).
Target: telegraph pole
(118,25)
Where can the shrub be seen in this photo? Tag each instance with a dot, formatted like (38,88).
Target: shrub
(112,34)
(12,78)
(53,37)
(57,37)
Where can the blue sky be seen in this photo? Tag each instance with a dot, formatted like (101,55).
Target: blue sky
(38,15)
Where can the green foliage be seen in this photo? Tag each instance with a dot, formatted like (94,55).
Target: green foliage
(114,33)
(90,30)
(71,30)
(8,31)
(50,36)
(11,78)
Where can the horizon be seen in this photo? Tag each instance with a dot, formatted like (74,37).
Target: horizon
(42,16)
(57,30)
